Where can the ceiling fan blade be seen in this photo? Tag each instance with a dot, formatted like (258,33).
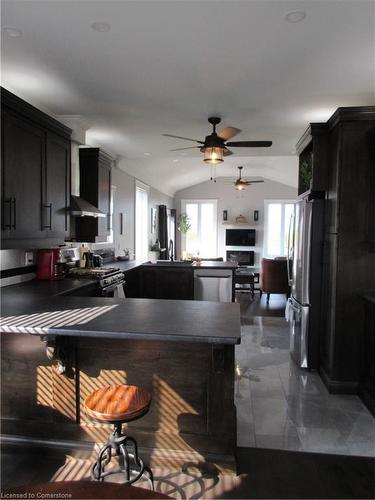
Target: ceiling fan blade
(249,144)
(227,152)
(180,149)
(184,138)
(252,182)
(228,132)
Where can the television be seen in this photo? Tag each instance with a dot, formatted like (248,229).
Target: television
(242,258)
(240,237)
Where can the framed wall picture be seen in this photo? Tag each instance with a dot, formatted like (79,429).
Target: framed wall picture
(153,220)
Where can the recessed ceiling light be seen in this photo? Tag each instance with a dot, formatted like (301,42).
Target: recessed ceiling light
(295,16)
(101,27)
(175,160)
(147,154)
(12,32)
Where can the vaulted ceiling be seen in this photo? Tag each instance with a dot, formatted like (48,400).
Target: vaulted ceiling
(165,66)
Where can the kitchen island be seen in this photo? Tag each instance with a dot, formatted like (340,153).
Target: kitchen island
(181,351)
(178,279)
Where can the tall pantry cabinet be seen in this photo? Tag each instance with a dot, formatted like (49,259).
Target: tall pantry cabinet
(348,253)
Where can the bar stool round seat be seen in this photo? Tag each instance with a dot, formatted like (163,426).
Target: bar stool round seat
(119,404)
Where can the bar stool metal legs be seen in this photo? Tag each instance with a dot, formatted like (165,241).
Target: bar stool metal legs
(118,404)
(126,448)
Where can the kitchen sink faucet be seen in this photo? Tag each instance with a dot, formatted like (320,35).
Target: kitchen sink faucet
(170,250)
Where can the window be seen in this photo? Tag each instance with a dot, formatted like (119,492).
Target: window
(110,238)
(141,221)
(202,236)
(276,226)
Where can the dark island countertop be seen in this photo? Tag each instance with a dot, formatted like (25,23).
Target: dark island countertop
(206,264)
(142,319)
(52,309)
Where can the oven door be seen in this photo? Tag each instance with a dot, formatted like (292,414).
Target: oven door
(114,290)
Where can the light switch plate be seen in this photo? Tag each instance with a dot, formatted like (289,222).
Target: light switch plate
(29,258)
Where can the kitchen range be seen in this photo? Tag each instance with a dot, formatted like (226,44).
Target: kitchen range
(109,280)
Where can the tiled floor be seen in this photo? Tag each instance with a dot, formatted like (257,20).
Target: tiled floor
(283,407)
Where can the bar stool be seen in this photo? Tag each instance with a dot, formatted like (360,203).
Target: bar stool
(118,404)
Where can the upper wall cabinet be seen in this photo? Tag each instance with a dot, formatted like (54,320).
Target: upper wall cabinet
(35,176)
(95,187)
(312,164)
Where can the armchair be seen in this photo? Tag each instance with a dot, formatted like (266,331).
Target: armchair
(274,277)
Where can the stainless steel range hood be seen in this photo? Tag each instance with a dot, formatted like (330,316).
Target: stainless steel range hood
(82,208)
(79,207)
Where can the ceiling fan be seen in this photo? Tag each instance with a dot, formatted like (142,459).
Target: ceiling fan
(215,145)
(241,183)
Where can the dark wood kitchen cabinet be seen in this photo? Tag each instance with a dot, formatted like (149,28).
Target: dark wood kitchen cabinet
(371,213)
(57,184)
(35,176)
(367,386)
(167,283)
(348,268)
(312,160)
(95,187)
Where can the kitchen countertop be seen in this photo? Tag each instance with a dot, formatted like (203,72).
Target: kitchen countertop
(206,264)
(22,292)
(142,319)
(44,288)
(125,265)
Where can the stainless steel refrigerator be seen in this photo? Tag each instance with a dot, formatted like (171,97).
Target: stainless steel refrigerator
(305,248)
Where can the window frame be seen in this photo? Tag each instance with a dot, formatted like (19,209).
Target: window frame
(200,201)
(268,202)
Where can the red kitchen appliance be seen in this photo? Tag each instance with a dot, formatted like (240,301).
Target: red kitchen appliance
(49,265)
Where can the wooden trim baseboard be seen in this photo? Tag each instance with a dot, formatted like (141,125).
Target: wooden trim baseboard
(338,386)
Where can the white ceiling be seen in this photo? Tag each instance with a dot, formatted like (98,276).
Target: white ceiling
(165,66)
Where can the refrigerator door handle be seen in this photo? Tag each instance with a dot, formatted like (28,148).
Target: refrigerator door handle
(289,252)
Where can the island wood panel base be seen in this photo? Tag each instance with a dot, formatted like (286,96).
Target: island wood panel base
(192,386)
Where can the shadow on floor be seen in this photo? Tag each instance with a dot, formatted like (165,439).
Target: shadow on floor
(262,474)
(288,474)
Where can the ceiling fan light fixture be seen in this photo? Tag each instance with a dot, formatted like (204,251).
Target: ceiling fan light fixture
(239,186)
(213,155)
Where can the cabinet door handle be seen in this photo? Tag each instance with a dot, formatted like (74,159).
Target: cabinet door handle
(14,213)
(48,216)
(7,210)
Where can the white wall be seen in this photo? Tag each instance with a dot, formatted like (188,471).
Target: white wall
(236,203)
(124,202)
